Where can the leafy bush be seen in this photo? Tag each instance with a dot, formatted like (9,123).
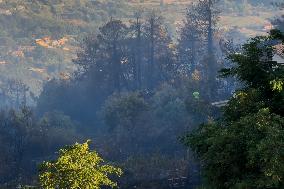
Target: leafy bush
(77,167)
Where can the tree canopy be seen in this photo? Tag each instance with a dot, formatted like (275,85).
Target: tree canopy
(77,167)
(244,149)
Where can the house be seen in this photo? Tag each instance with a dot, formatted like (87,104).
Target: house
(279,53)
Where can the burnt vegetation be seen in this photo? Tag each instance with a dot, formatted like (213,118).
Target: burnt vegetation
(150,103)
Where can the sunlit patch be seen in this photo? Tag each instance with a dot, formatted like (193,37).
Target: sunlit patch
(196,75)
(47,42)
(37,70)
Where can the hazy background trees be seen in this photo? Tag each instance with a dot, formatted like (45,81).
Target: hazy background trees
(135,91)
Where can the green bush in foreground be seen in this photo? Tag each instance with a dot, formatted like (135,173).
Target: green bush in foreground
(77,167)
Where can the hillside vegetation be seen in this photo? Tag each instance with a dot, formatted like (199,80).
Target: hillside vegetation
(173,94)
(39,38)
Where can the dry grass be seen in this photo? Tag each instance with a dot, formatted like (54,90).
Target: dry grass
(250,23)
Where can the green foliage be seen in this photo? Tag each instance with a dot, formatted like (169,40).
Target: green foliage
(262,77)
(77,167)
(243,103)
(247,153)
(144,128)
(22,22)
(245,148)
(169,108)
(26,141)
(277,85)
(123,110)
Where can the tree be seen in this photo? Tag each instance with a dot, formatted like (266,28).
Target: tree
(14,92)
(115,60)
(279,22)
(190,40)
(137,27)
(197,37)
(16,131)
(202,18)
(123,110)
(255,68)
(112,35)
(247,153)
(244,149)
(77,167)
(159,55)
(102,55)
(26,139)
(208,8)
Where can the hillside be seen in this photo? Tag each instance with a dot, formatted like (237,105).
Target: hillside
(39,38)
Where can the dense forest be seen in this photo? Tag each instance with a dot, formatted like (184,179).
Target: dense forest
(141,94)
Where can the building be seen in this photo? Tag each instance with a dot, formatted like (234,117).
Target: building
(279,53)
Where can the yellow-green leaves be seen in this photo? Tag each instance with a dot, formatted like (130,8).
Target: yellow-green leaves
(77,167)
(277,85)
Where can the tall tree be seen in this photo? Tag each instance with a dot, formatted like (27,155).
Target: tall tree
(152,27)
(137,28)
(190,40)
(103,55)
(210,13)
(112,34)
(279,22)
(158,50)
(198,32)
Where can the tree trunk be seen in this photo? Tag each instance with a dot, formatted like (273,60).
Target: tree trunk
(151,70)
(210,30)
(138,55)
(193,55)
(117,68)
(211,68)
